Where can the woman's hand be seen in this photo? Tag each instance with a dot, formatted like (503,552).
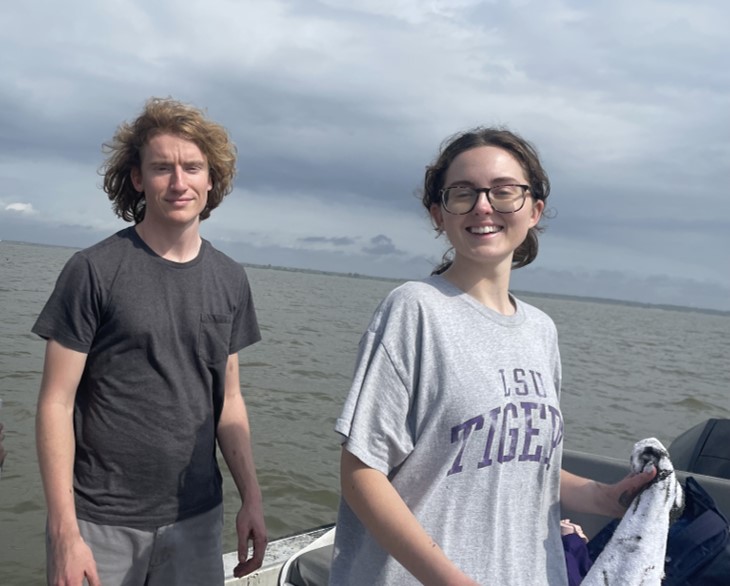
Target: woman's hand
(583,495)
(619,496)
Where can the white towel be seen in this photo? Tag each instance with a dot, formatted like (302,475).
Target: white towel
(635,554)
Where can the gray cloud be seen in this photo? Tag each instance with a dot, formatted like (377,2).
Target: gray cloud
(335,123)
(337,240)
(380,245)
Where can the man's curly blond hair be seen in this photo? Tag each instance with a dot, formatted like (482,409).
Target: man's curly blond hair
(165,116)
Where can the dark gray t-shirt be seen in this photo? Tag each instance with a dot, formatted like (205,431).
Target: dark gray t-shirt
(157,335)
(459,406)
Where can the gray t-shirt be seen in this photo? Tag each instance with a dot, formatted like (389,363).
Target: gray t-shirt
(157,335)
(459,406)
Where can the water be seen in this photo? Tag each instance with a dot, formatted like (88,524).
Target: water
(629,372)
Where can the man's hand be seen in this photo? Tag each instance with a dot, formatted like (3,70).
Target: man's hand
(71,562)
(250,528)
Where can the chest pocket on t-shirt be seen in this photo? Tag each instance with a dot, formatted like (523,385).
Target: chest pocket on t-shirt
(215,336)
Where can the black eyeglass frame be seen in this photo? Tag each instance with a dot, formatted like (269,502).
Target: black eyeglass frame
(487,191)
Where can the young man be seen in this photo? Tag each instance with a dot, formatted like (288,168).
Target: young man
(141,374)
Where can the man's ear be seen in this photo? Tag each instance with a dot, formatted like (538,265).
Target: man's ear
(136,176)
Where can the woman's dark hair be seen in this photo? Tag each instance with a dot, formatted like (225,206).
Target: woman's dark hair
(519,148)
(165,116)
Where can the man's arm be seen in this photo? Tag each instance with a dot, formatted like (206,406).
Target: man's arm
(583,495)
(386,516)
(71,558)
(234,439)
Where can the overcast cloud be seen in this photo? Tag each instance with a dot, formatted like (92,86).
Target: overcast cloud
(337,106)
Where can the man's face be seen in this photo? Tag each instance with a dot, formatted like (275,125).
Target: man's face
(175,179)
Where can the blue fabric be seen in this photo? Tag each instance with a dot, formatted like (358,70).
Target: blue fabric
(698,543)
(698,547)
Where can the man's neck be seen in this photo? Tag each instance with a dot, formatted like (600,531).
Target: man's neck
(176,245)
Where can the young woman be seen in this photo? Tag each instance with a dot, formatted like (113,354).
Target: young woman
(452,429)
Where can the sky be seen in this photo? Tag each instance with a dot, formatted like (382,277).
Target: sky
(337,106)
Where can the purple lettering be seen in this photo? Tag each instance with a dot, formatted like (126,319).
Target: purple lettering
(539,385)
(466,427)
(519,375)
(530,431)
(556,436)
(513,432)
(486,459)
(504,382)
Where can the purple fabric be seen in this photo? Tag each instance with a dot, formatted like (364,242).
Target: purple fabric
(577,560)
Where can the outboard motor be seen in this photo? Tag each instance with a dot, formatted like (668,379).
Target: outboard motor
(704,449)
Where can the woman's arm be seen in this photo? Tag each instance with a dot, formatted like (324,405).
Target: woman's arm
(584,495)
(382,511)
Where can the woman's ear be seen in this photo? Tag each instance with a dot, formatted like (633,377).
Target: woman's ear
(538,206)
(437,217)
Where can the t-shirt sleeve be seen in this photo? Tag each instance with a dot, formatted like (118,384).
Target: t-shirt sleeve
(71,314)
(245,329)
(375,420)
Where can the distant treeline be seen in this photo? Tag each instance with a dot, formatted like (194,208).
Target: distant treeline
(316,272)
(668,307)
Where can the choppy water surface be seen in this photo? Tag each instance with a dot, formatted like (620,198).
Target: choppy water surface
(629,372)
